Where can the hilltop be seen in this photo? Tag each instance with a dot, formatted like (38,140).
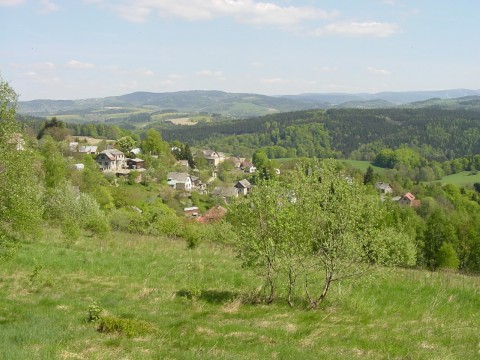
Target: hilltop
(237,105)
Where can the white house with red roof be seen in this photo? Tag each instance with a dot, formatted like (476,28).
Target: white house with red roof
(408,199)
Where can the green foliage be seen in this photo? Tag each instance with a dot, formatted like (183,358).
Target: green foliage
(125,144)
(54,164)
(432,133)
(74,211)
(54,128)
(20,190)
(94,312)
(193,234)
(446,257)
(369,177)
(316,222)
(153,143)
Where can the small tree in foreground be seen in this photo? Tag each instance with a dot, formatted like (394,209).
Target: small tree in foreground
(20,190)
(319,227)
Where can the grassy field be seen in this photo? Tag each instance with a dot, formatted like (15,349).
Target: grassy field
(461,179)
(187,304)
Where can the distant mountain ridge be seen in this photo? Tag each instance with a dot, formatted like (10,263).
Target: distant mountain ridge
(247,105)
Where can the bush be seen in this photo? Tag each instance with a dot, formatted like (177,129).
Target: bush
(193,233)
(94,311)
(128,327)
(168,225)
(447,257)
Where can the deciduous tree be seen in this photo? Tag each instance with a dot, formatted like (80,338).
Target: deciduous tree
(20,190)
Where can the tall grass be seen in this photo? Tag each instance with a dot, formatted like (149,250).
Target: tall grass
(197,304)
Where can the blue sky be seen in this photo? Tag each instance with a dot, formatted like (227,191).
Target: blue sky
(53,49)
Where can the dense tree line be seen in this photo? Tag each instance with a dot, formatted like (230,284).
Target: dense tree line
(436,134)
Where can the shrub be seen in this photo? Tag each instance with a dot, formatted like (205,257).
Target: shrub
(193,233)
(447,257)
(122,326)
(94,311)
(168,225)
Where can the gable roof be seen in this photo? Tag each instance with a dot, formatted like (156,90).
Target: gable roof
(382,186)
(214,214)
(112,153)
(245,184)
(88,149)
(177,176)
(225,191)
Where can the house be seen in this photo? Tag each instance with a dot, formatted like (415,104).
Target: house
(136,151)
(183,163)
(73,146)
(214,214)
(213,157)
(88,149)
(225,193)
(384,188)
(136,164)
(197,184)
(248,167)
(236,161)
(111,160)
(191,211)
(409,200)
(243,186)
(78,166)
(179,181)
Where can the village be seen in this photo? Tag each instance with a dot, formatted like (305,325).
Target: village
(185,180)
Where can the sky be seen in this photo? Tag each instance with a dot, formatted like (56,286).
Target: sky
(62,49)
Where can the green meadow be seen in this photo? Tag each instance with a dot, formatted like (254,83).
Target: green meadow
(463,178)
(136,297)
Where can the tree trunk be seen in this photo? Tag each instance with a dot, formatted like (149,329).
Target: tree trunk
(326,285)
(271,283)
(291,284)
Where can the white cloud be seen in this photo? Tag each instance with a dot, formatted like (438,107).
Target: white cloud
(75,64)
(11,2)
(211,74)
(48,7)
(376,71)
(245,11)
(372,29)
(144,72)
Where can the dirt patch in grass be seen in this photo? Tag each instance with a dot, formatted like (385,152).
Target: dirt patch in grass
(232,307)
(183,121)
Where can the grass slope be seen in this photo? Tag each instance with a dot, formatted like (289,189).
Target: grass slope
(462,178)
(189,304)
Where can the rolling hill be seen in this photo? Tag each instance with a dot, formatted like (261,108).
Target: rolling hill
(240,105)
